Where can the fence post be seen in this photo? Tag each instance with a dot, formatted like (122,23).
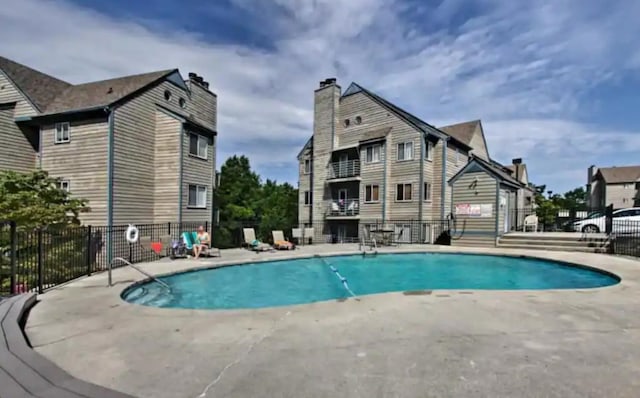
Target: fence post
(89,249)
(169,228)
(206,225)
(40,260)
(14,252)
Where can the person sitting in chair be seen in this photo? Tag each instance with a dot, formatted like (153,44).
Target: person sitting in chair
(203,244)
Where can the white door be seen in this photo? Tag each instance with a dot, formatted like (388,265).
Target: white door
(342,200)
(343,168)
(504,209)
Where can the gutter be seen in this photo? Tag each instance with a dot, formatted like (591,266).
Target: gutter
(110,173)
(180,174)
(443,183)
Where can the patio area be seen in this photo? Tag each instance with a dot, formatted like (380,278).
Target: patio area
(558,343)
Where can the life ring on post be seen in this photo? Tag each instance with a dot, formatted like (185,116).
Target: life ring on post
(132,234)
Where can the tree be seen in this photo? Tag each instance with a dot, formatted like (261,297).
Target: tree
(245,202)
(35,200)
(576,199)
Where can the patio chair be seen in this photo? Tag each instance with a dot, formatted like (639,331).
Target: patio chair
(191,238)
(530,221)
(253,243)
(280,242)
(309,233)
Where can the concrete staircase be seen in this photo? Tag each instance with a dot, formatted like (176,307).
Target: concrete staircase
(556,241)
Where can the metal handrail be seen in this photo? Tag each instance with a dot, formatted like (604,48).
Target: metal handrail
(137,269)
(344,169)
(347,207)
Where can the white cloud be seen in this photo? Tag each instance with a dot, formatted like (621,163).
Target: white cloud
(520,67)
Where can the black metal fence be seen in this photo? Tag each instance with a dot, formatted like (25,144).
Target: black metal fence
(551,219)
(37,259)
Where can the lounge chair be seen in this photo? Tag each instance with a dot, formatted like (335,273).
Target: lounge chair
(191,238)
(279,241)
(253,243)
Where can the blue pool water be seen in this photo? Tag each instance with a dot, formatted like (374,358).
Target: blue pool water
(308,280)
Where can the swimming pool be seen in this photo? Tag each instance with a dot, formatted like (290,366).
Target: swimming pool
(287,282)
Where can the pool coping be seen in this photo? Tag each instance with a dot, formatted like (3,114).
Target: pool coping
(389,251)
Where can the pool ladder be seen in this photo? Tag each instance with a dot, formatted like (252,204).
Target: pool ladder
(372,246)
(148,275)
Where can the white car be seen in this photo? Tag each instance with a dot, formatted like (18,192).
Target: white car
(624,221)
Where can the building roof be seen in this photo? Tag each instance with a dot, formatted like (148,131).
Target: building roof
(41,89)
(463,132)
(374,135)
(402,114)
(490,168)
(103,92)
(618,175)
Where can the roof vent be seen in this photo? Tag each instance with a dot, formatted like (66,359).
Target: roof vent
(205,85)
(192,75)
(110,90)
(327,82)
(517,161)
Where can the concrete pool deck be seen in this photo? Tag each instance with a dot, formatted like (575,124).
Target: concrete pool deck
(556,343)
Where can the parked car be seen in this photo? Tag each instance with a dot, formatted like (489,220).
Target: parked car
(624,221)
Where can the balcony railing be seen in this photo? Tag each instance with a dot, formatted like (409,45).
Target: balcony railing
(343,207)
(344,169)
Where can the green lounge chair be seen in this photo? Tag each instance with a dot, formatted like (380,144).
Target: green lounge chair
(191,238)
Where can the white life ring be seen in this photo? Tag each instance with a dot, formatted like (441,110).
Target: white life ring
(132,234)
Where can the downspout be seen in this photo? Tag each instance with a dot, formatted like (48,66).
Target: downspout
(333,120)
(40,147)
(421,187)
(384,185)
(180,176)
(495,236)
(110,165)
(443,183)
(313,165)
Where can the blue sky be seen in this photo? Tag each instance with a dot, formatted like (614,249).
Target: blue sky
(555,82)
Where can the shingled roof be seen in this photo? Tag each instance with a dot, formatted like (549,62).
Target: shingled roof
(102,93)
(619,175)
(463,132)
(41,89)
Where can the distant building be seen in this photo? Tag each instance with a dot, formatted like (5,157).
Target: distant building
(617,186)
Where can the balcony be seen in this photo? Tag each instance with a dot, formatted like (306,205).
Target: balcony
(343,208)
(344,170)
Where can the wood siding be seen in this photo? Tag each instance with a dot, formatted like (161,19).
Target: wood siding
(10,93)
(135,166)
(304,185)
(475,230)
(619,196)
(202,105)
(199,172)
(16,151)
(372,174)
(478,144)
(82,161)
(167,168)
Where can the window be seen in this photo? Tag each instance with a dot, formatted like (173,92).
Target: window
(427,192)
(371,193)
(64,185)
(372,154)
(347,122)
(403,192)
(405,151)
(167,95)
(198,196)
(307,198)
(62,133)
(182,102)
(307,166)
(428,150)
(198,145)
(358,120)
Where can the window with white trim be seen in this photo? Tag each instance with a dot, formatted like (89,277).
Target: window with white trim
(307,198)
(198,145)
(371,193)
(62,134)
(405,150)
(428,150)
(307,166)
(64,185)
(372,153)
(427,192)
(197,196)
(403,192)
